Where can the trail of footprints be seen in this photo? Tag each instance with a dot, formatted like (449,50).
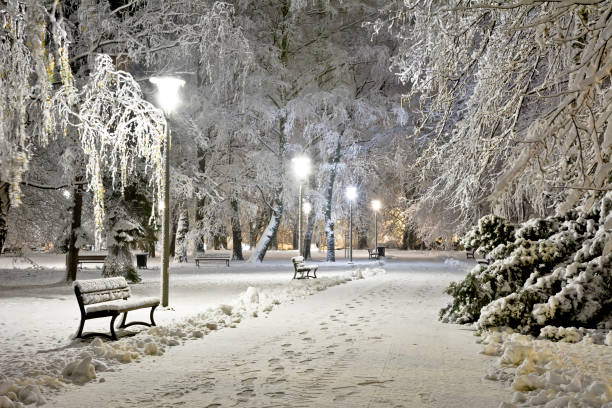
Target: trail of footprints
(305,368)
(302,368)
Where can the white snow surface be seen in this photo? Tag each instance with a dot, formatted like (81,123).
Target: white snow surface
(551,374)
(249,335)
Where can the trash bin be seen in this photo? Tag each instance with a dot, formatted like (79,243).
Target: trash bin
(381,251)
(141,261)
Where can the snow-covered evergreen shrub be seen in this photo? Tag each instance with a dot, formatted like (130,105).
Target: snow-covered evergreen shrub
(119,261)
(557,272)
(490,232)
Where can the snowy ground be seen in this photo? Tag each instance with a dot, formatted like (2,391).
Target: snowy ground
(334,341)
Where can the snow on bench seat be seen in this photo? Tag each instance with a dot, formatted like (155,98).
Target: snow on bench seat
(124,305)
(109,297)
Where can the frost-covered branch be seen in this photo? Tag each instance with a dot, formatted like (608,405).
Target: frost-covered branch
(514,99)
(117,129)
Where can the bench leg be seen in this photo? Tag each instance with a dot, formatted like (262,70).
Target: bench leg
(152,321)
(80,331)
(112,327)
(124,324)
(294,274)
(112,336)
(314,272)
(227,262)
(123,319)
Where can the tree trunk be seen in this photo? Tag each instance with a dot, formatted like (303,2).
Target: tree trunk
(362,238)
(173,226)
(310,220)
(181,237)
(409,237)
(329,193)
(151,245)
(269,233)
(236,232)
(274,242)
(5,205)
(75,225)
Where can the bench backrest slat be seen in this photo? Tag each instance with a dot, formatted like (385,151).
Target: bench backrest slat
(93,291)
(92,257)
(298,261)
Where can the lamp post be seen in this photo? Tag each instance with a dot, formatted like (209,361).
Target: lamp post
(351,194)
(306,208)
(301,166)
(168,99)
(376,204)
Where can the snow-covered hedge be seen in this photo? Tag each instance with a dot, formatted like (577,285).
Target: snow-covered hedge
(555,271)
(490,232)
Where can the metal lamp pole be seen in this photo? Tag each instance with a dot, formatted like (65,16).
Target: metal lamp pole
(301,166)
(350,231)
(168,99)
(351,194)
(375,230)
(376,206)
(165,255)
(300,251)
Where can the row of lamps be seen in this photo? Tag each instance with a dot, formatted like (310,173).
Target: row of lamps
(168,99)
(301,167)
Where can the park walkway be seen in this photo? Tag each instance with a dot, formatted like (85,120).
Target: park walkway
(368,343)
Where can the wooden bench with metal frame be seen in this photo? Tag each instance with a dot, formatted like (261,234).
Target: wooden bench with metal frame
(109,297)
(204,258)
(300,267)
(82,259)
(373,253)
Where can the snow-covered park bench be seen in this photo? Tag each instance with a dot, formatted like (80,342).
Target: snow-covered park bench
(373,253)
(109,297)
(300,267)
(11,250)
(469,254)
(213,258)
(82,259)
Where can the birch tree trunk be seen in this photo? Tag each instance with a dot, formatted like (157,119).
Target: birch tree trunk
(75,225)
(329,193)
(236,232)
(4,209)
(308,235)
(181,237)
(269,233)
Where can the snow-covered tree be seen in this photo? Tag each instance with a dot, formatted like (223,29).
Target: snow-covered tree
(514,102)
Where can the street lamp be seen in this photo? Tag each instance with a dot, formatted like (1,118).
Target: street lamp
(351,194)
(307,207)
(301,166)
(168,99)
(376,204)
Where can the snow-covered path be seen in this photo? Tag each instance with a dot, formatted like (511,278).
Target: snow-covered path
(367,343)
